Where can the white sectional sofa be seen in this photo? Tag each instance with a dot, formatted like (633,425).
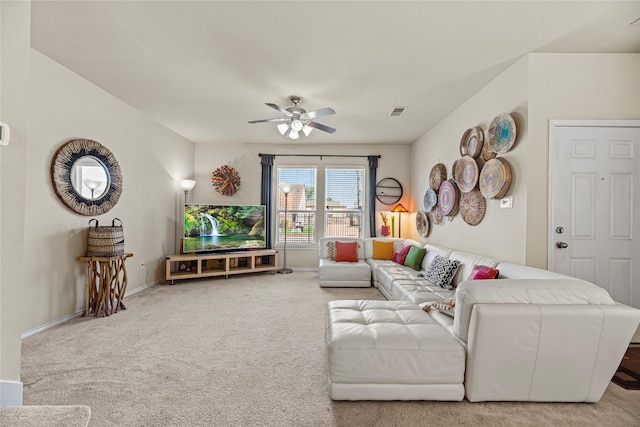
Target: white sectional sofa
(528,335)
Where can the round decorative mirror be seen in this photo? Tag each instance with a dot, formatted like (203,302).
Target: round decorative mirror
(86,177)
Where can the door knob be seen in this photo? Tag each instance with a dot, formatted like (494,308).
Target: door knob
(561,245)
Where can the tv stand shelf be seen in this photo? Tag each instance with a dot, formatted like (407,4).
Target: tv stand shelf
(193,266)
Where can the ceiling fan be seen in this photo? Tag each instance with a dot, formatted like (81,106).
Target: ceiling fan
(295,119)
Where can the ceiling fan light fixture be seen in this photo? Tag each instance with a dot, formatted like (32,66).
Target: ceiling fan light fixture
(307,130)
(296,125)
(283,128)
(293,134)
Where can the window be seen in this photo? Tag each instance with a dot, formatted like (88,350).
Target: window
(344,202)
(300,219)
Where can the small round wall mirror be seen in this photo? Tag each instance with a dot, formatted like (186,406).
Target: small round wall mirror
(86,177)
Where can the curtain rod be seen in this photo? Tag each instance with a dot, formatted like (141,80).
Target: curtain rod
(318,155)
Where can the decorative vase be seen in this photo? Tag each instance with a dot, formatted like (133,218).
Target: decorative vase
(386,230)
(393,226)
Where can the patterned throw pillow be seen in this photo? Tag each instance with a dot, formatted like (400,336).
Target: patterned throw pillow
(483,272)
(441,271)
(332,250)
(400,255)
(446,306)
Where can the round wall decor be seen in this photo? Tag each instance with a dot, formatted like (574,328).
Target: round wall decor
(86,177)
(501,134)
(225,180)
(472,207)
(495,178)
(436,216)
(430,199)
(448,198)
(487,154)
(472,142)
(466,173)
(437,175)
(388,191)
(422,223)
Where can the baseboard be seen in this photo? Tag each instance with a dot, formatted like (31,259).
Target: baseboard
(61,320)
(10,393)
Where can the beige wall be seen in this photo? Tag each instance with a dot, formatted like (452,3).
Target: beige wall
(501,234)
(570,86)
(245,159)
(14,84)
(64,106)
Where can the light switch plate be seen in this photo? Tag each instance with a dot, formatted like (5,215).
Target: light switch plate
(506,202)
(4,134)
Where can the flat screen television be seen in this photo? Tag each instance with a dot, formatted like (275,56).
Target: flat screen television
(213,228)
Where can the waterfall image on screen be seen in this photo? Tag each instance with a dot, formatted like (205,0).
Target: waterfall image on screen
(210,228)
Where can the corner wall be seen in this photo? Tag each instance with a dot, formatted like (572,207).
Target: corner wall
(65,106)
(14,103)
(501,234)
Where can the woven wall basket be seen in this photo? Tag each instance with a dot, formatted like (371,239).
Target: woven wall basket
(437,175)
(105,240)
(472,207)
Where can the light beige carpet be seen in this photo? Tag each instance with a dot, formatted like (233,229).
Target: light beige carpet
(244,351)
(50,416)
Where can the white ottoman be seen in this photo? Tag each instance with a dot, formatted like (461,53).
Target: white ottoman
(390,350)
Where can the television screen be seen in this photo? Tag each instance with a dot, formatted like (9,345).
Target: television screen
(209,228)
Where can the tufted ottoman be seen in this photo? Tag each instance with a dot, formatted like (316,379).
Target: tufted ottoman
(390,350)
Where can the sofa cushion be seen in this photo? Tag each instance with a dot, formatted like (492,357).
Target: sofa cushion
(483,272)
(445,305)
(441,271)
(414,257)
(332,251)
(346,251)
(343,272)
(432,251)
(383,249)
(467,261)
(400,255)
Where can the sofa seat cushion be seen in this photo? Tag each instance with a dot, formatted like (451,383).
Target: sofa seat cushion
(376,264)
(344,272)
(387,274)
(418,291)
(389,342)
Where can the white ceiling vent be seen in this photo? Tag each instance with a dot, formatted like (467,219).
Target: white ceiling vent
(397,111)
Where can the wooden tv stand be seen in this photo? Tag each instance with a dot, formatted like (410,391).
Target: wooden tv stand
(193,266)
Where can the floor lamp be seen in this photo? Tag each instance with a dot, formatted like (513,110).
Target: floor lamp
(399,209)
(285,187)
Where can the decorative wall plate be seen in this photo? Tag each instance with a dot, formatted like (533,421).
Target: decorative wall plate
(430,199)
(225,180)
(422,223)
(501,133)
(472,142)
(436,215)
(487,154)
(453,170)
(472,207)
(448,198)
(466,174)
(495,178)
(437,175)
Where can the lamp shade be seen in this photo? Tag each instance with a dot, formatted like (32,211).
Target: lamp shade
(399,208)
(186,184)
(285,187)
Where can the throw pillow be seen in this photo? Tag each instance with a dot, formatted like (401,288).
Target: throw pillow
(441,271)
(382,250)
(331,246)
(414,257)
(446,306)
(347,251)
(483,272)
(401,254)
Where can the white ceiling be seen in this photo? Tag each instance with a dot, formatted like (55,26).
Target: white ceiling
(205,68)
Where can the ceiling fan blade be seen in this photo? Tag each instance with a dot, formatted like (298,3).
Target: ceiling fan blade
(321,112)
(277,120)
(279,108)
(321,127)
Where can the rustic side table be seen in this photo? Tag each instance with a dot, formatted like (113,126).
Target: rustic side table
(106,283)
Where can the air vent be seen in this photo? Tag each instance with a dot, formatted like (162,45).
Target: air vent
(397,111)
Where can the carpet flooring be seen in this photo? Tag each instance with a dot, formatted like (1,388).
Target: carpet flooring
(244,351)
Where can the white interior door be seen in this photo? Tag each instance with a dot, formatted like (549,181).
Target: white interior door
(594,180)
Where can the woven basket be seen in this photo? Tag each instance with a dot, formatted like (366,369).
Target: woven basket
(105,240)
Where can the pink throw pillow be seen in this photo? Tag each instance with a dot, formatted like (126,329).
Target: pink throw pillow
(347,251)
(483,272)
(400,255)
